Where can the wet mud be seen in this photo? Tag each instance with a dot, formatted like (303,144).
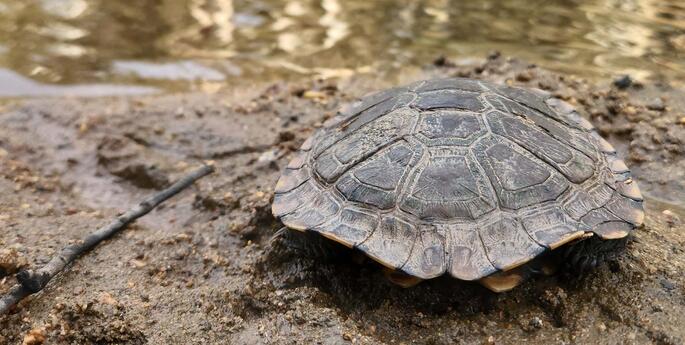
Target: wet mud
(203,268)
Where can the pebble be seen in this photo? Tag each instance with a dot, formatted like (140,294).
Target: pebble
(656,104)
(681,121)
(629,110)
(602,327)
(524,76)
(313,94)
(268,156)
(106,298)
(667,285)
(671,218)
(536,322)
(35,336)
(623,82)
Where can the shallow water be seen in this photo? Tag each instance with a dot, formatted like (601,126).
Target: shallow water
(203,44)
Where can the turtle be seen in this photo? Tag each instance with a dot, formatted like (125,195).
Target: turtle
(481,181)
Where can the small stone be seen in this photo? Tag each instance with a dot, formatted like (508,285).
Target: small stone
(671,218)
(602,327)
(656,104)
(11,261)
(443,61)
(138,263)
(536,322)
(681,120)
(667,285)
(313,94)
(347,336)
(35,336)
(623,82)
(524,76)
(629,110)
(490,340)
(268,156)
(106,298)
(493,55)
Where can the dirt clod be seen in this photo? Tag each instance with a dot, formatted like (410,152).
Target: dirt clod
(11,261)
(35,336)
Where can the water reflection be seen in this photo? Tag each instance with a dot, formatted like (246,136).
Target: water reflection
(86,41)
(20,86)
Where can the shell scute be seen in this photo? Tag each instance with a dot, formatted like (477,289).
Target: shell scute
(458,176)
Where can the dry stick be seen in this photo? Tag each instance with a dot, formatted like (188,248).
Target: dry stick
(31,282)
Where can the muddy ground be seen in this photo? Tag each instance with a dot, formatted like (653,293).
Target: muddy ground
(200,269)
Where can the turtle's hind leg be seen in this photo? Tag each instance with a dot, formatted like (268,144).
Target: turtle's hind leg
(579,258)
(400,278)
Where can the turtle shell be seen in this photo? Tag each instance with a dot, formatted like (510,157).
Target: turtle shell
(459,176)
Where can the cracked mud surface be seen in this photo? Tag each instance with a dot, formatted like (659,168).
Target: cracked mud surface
(200,269)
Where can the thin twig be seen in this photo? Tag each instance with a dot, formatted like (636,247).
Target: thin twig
(31,282)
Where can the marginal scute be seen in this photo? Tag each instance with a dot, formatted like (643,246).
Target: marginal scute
(391,243)
(526,97)
(427,259)
(629,189)
(552,227)
(584,123)
(613,230)
(579,201)
(369,101)
(603,145)
(627,209)
(334,121)
(288,202)
(617,166)
(599,216)
(291,179)
(307,144)
(351,227)
(298,160)
(467,259)
(560,106)
(507,245)
(313,212)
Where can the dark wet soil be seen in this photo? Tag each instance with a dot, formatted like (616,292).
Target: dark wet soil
(201,269)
